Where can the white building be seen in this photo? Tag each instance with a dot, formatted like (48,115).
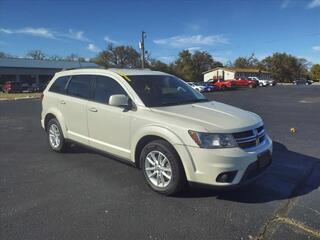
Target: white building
(233,73)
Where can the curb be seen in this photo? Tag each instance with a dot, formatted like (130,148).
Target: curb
(20,98)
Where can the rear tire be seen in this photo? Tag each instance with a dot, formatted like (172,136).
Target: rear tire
(56,139)
(162,168)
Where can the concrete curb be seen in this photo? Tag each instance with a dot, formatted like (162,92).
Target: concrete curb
(19,98)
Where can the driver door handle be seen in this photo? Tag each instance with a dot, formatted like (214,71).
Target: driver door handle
(93,109)
(62,102)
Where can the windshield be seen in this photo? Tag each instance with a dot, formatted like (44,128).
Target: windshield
(164,90)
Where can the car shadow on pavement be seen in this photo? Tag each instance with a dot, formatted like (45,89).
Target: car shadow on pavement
(77,148)
(291,174)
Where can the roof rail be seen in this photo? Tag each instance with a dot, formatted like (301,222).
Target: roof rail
(116,69)
(75,68)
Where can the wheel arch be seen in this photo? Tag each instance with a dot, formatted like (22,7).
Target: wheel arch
(57,115)
(47,118)
(151,133)
(142,143)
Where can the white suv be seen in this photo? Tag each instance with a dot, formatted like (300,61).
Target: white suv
(262,82)
(195,86)
(157,122)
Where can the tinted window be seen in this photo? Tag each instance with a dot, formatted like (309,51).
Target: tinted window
(164,90)
(79,86)
(105,87)
(59,85)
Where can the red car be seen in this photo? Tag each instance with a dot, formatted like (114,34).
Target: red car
(221,84)
(11,87)
(243,82)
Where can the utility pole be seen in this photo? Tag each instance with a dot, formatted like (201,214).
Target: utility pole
(142,48)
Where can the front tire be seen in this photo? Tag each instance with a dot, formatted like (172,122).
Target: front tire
(162,168)
(56,139)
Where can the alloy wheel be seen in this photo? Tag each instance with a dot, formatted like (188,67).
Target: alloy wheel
(158,169)
(54,136)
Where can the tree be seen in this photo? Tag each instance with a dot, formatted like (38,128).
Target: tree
(241,62)
(157,65)
(4,55)
(191,66)
(119,56)
(247,62)
(201,62)
(36,54)
(285,67)
(315,72)
(183,66)
(74,57)
(56,58)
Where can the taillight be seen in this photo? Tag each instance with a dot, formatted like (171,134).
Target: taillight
(41,96)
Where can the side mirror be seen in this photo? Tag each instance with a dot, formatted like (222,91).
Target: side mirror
(118,100)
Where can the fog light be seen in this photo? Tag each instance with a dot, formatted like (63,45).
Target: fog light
(226,177)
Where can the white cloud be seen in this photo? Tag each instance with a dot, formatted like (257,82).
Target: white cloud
(186,41)
(223,60)
(38,32)
(313,4)
(93,48)
(109,40)
(47,33)
(193,49)
(77,35)
(316,48)
(285,4)
(7,31)
(167,59)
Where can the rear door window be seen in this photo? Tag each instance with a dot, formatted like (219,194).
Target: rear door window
(59,85)
(79,86)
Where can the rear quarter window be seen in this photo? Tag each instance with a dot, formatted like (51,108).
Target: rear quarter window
(59,85)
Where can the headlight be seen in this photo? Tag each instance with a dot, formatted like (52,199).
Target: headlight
(213,140)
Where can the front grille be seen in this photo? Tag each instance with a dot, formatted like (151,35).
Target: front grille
(243,134)
(250,138)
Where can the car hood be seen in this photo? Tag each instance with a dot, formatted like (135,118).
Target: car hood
(211,116)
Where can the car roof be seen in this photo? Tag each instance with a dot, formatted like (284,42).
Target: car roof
(137,71)
(128,72)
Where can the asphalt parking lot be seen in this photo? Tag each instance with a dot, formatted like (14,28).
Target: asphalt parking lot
(85,195)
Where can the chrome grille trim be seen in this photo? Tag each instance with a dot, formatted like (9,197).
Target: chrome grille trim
(256,138)
(253,137)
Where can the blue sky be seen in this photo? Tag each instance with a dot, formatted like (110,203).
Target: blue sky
(226,29)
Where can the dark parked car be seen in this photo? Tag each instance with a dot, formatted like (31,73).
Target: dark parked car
(302,82)
(37,87)
(25,88)
(11,87)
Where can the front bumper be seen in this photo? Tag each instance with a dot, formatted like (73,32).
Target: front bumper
(205,165)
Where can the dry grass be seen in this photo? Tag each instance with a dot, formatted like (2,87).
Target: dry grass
(15,96)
